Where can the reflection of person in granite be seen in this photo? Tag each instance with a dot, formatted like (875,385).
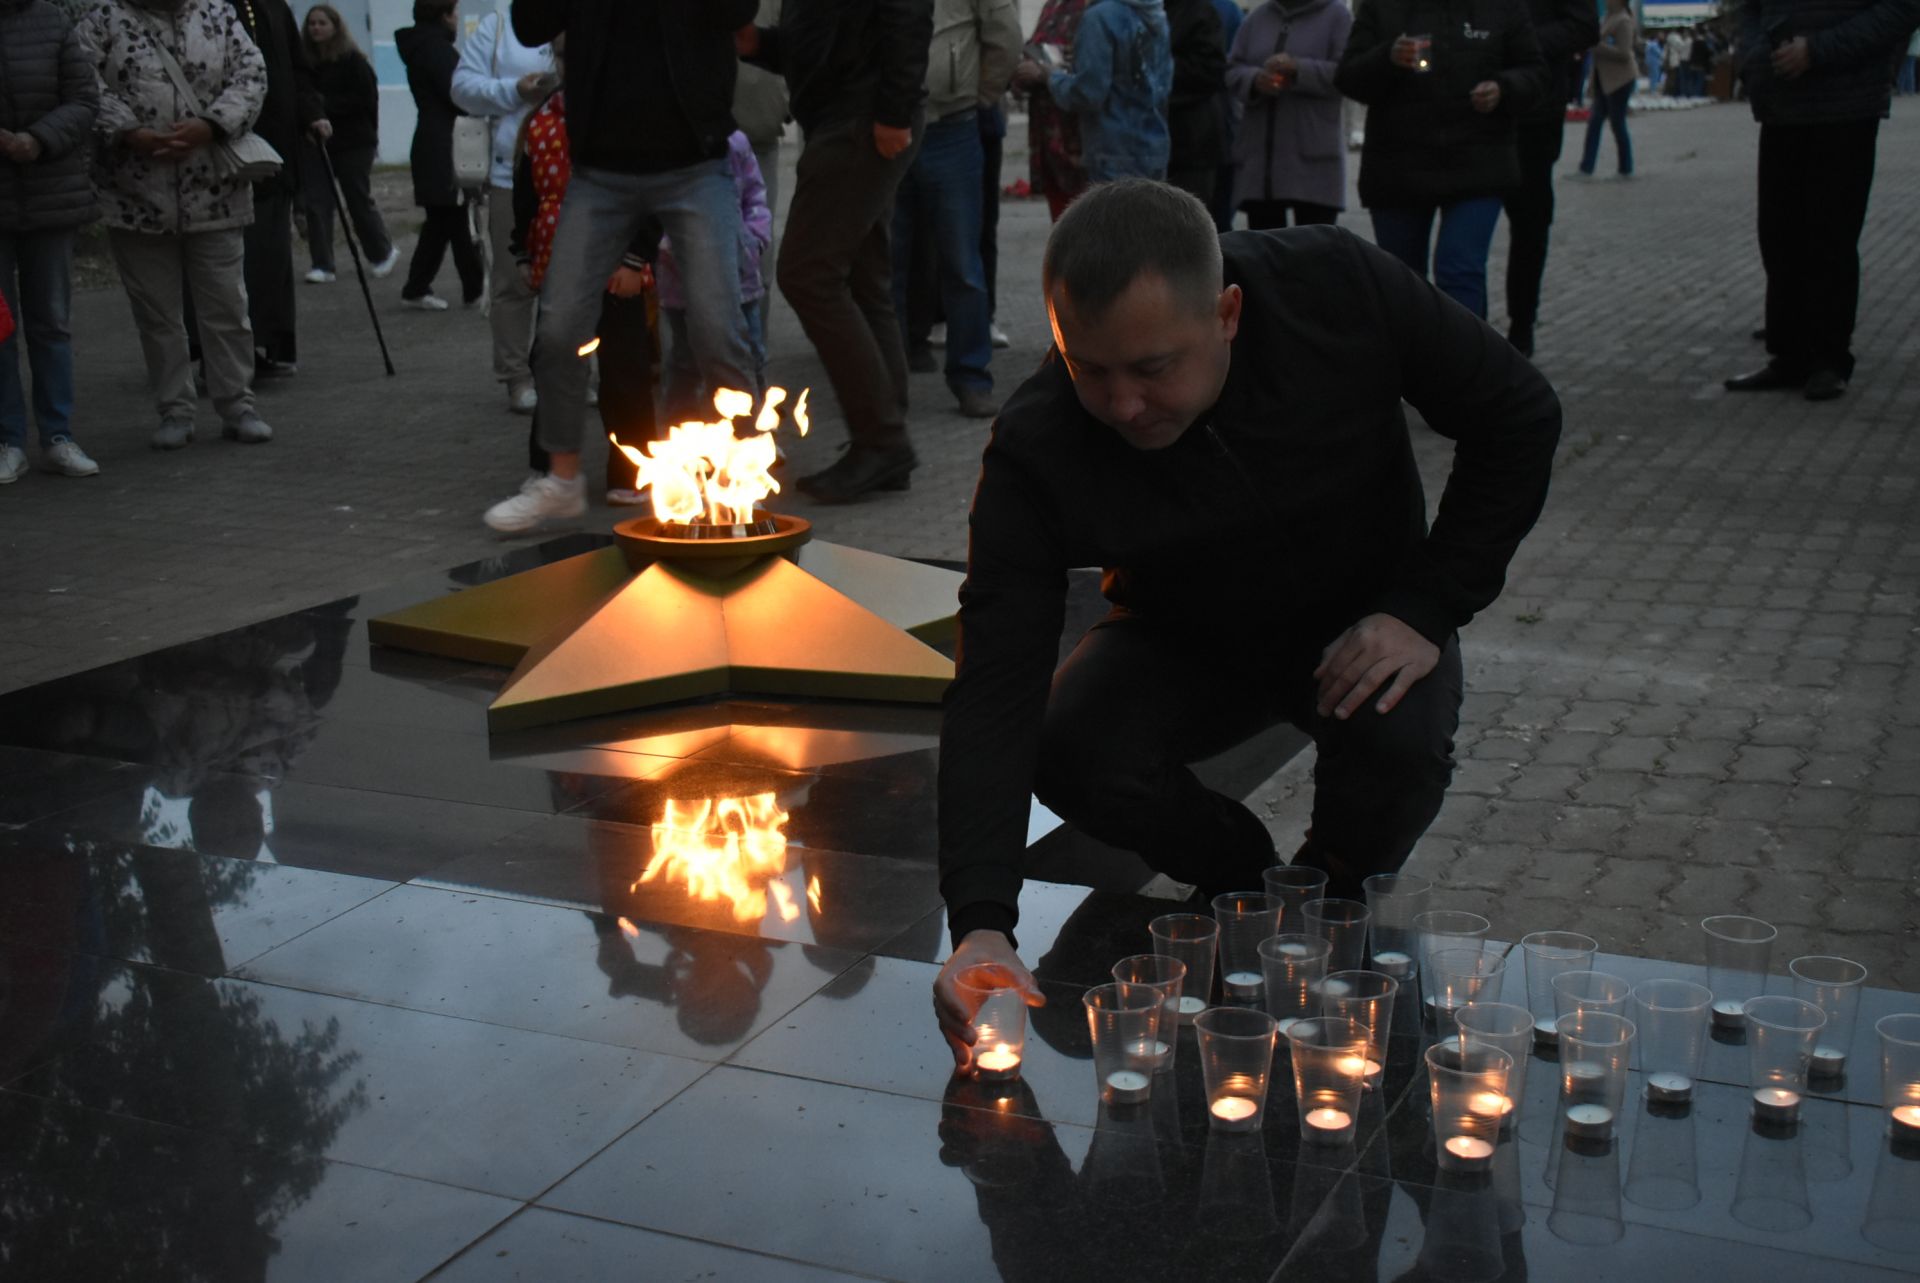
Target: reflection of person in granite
(710,979)
(1220,428)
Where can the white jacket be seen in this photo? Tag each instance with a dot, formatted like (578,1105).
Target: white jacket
(485,83)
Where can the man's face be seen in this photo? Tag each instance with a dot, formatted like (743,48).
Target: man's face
(1152,363)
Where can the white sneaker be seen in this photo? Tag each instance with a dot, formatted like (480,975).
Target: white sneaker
(68,459)
(13,464)
(619,497)
(522,397)
(937,337)
(425,303)
(386,265)
(999,336)
(320,276)
(543,499)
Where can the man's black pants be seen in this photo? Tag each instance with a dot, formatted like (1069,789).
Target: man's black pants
(1138,702)
(1814,184)
(1529,216)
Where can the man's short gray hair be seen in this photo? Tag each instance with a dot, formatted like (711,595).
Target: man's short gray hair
(1116,231)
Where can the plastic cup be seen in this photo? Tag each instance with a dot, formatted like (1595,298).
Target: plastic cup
(1293,967)
(1125,1022)
(999,1020)
(1671,1016)
(1596,1051)
(1329,1071)
(1190,938)
(1343,924)
(1443,929)
(1781,1035)
(1508,1027)
(1461,976)
(1590,991)
(1549,954)
(1422,54)
(1293,885)
(1165,976)
(1246,918)
(1395,900)
(1236,1055)
(1833,985)
(1366,999)
(1739,953)
(1900,1076)
(1471,1099)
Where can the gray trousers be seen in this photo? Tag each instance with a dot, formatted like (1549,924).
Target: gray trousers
(212,265)
(512,306)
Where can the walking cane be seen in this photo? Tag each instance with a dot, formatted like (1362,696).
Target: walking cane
(346,230)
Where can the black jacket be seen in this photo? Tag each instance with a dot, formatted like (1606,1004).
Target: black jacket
(352,96)
(1197,109)
(47,89)
(1425,142)
(698,39)
(1292,510)
(1855,45)
(1565,29)
(292,101)
(430,57)
(851,59)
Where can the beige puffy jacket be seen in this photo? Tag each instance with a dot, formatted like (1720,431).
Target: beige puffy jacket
(971,60)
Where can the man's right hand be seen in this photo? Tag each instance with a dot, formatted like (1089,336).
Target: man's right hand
(952,1007)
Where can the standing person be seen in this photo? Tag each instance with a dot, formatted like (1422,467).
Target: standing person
(498,77)
(1053,132)
(1656,57)
(170,215)
(856,70)
(1196,119)
(427,49)
(1614,72)
(1290,157)
(686,396)
(47,112)
(1700,59)
(293,112)
(975,45)
(351,96)
(1119,85)
(1679,49)
(993,148)
(1565,29)
(760,112)
(1440,131)
(649,112)
(1819,78)
(1232,16)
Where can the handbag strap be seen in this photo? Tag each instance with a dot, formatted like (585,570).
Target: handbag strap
(174,73)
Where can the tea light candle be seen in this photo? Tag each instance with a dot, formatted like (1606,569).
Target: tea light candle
(1490,1104)
(1152,1054)
(1335,988)
(1828,1062)
(1235,1114)
(1545,1032)
(1294,949)
(1286,1024)
(1669,1088)
(1244,985)
(997,1062)
(1468,1152)
(1592,1122)
(1776,1104)
(1127,1087)
(1729,1014)
(1368,1069)
(1906,1122)
(1190,1007)
(1392,962)
(1330,1126)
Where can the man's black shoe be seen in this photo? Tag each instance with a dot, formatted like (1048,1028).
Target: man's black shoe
(1768,378)
(921,360)
(1825,384)
(1521,336)
(976,403)
(1760,335)
(860,470)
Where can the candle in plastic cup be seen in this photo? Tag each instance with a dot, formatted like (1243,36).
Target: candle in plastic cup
(1900,1073)
(1236,1055)
(1467,1082)
(1329,1070)
(1292,970)
(1833,985)
(1439,929)
(1192,939)
(1460,976)
(1739,955)
(1394,900)
(1124,1020)
(1670,1017)
(999,1020)
(1365,997)
(1781,1034)
(1167,976)
(1293,885)
(1422,54)
(1246,918)
(1548,954)
(1343,925)
(1596,1050)
(1507,1026)
(1590,991)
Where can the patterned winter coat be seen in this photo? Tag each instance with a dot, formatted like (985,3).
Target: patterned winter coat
(145,193)
(46,90)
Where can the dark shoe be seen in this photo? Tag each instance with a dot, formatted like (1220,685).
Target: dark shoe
(1825,384)
(1521,336)
(976,403)
(1760,335)
(1770,377)
(265,367)
(921,360)
(860,470)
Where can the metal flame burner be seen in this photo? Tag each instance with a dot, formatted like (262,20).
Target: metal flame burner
(716,549)
(764,525)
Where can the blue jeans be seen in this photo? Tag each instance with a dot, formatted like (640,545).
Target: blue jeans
(1611,108)
(699,207)
(1460,253)
(940,197)
(41,301)
(684,397)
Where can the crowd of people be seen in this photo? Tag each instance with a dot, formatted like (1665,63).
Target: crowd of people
(660,183)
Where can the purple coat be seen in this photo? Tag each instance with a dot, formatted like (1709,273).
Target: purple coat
(1290,145)
(756,231)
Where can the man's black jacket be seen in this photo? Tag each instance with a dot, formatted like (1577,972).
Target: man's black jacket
(1565,29)
(851,59)
(699,54)
(1290,511)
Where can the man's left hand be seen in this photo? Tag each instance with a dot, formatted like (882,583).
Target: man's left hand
(1486,95)
(1793,59)
(1359,661)
(322,129)
(21,148)
(890,142)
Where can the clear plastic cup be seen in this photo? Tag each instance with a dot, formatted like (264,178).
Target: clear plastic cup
(1395,900)
(1246,918)
(1443,929)
(1549,954)
(1293,885)
(1590,991)
(1671,1016)
(1509,1027)
(1366,999)
(1461,976)
(1900,1076)
(1596,1051)
(1329,1059)
(1293,967)
(1422,54)
(1191,938)
(1469,1082)
(999,1020)
(1833,985)
(1125,1022)
(1342,924)
(1781,1035)
(1739,955)
(1165,976)
(1236,1055)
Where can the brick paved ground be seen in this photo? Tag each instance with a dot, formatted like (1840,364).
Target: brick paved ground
(1700,693)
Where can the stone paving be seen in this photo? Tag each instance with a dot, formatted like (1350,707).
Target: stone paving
(1700,693)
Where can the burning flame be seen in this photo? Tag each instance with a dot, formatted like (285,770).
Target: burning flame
(727,849)
(703,472)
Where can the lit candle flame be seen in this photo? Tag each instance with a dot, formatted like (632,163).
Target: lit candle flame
(591,346)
